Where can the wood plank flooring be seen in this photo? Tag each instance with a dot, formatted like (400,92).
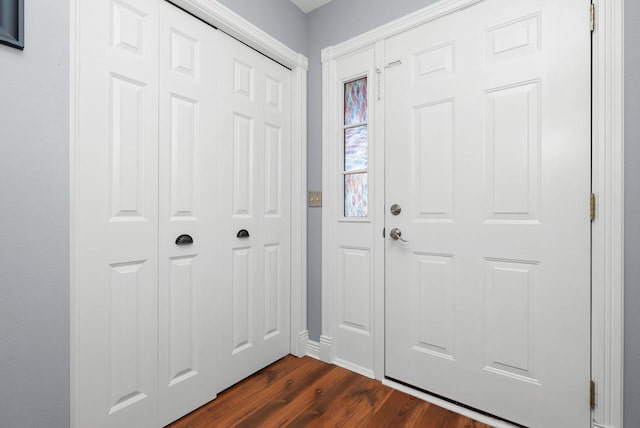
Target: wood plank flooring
(303,392)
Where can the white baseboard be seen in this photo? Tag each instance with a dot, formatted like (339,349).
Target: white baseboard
(354,368)
(497,423)
(313,349)
(597,425)
(326,350)
(302,339)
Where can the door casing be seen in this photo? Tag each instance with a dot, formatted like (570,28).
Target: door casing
(607,185)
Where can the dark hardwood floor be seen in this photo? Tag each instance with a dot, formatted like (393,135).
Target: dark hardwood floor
(303,392)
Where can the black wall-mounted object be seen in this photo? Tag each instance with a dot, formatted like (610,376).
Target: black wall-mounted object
(243,233)
(12,23)
(184,240)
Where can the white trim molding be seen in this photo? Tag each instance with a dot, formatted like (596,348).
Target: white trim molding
(299,332)
(328,229)
(608,227)
(313,349)
(415,19)
(354,368)
(326,349)
(224,19)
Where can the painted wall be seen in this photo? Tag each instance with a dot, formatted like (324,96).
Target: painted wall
(632,221)
(329,25)
(34,192)
(279,18)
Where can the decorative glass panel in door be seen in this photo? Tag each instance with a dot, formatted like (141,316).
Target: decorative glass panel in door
(356,146)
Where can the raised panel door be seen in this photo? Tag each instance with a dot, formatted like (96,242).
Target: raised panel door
(116,217)
(254,183)
(488,154)
(188,205)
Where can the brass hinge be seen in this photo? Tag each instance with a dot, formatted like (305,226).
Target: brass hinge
(592,395)
(592,209)
(593,17)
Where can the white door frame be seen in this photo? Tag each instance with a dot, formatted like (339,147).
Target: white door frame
(607,184)
(217,15)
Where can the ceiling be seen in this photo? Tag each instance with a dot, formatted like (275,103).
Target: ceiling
(308,5)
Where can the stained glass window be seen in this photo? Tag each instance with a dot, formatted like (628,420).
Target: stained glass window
(355,102)
(356,148)
(356,189)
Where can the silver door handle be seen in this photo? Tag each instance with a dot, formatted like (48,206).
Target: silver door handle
(396,234)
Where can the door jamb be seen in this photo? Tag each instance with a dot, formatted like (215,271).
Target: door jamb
(217,15)
(607,250)
(607,341)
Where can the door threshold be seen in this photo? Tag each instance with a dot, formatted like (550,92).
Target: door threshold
(450,405)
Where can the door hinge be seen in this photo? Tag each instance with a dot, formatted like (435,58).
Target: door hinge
(592,207)
(384,232)
(593,17)
(592,395)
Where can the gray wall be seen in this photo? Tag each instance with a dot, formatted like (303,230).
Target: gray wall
(632,221)
(279,18)
(329,25)
(34,200)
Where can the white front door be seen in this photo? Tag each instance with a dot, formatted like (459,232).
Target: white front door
(254,181)
(188,199)
(488,156)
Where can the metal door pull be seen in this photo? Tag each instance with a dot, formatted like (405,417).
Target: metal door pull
(184,240)
(243,233)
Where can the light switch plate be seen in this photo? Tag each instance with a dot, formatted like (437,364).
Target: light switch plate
(315,199)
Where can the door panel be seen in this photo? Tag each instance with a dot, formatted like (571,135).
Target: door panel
(188,274)
(116,217)
(488,153)
(254,182)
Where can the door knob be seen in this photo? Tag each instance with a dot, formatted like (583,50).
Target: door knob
(184,240)
(243,233)
(396,234)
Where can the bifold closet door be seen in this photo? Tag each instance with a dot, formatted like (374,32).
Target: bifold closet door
(188,272)
(254,177)
(183,141)
(115,235)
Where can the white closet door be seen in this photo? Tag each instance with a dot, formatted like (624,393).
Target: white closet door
(254,180)
(116,216)
(188,273)
(488,154)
